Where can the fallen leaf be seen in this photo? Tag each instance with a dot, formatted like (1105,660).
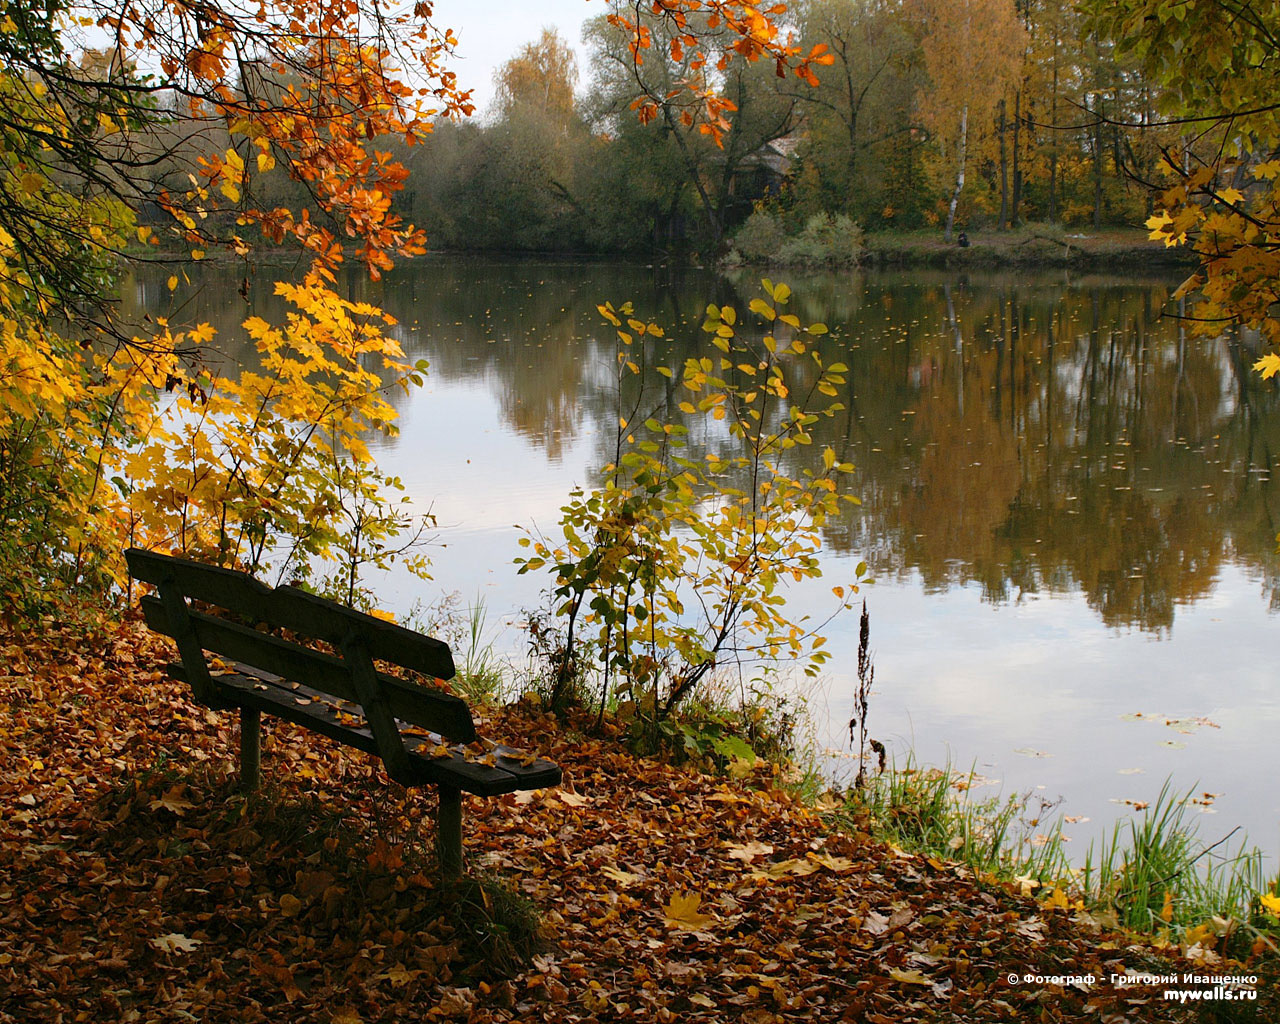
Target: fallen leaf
(909,977)
(838,865)
(1032,928)
(747,852)
(572,799)
(173,800)
(175,942)
(1026,884)
(623,878)
(682,912)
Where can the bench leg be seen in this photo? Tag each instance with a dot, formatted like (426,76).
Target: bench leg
(250,749)
(449,831)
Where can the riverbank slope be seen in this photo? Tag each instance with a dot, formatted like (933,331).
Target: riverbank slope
(1031,246)
(139,885)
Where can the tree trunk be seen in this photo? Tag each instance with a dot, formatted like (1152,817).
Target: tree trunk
(1017,163)
(1097,168)
(1004,171)
(955,196)
(1053,145)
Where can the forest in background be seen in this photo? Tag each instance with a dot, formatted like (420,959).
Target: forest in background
(991,114)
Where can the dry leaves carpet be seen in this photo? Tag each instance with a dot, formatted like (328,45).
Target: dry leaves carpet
(137,885)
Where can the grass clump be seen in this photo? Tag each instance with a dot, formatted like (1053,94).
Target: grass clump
(495,924)
(1152,875)
(934,811)
(1156,875)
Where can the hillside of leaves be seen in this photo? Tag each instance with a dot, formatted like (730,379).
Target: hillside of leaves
(136,884)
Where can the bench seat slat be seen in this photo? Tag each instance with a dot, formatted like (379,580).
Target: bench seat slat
(537,775)
(294,609)
(246,686)
(432,709)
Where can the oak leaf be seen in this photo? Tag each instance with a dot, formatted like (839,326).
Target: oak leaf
(173,800)
(623,878)
(175,942)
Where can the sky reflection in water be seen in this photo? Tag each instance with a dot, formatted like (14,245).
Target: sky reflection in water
(1068,502)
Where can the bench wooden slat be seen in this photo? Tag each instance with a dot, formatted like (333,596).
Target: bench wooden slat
(431,709)
(364,677)
(344,698)
(303,705)
(537,775)
(294,609)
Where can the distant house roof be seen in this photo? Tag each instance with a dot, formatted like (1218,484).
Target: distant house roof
(778,156)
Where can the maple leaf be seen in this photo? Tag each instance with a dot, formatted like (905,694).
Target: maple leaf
(173,800)
(877,924)
(747,852)
(573,799)
(175,942)
(457,1002)
(1057,900)
(1271,904)
(399,976)
(682,912)
(1268,365)
(783,868)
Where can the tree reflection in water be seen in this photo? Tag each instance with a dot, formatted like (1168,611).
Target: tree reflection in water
(1030,432)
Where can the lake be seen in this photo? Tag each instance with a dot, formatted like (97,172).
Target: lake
(1068,502)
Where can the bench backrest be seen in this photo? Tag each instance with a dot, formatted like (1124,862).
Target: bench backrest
(359,637)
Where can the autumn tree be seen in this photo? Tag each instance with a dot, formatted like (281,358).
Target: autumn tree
(130,431)
(971,50)
(540,77)
(1218,62)
(863,102)
(750,109)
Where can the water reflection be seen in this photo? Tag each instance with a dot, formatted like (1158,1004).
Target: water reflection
(1026,434)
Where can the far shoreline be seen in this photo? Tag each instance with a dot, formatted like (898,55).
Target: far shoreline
(1035,246)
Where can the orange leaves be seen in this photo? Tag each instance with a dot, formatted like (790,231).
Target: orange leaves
(294,906)
(725,30)
(205,65)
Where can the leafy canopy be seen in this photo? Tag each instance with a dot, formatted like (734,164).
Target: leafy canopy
(115,433)
(1218,62)
(680,559)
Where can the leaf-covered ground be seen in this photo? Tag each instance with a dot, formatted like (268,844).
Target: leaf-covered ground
(136,884)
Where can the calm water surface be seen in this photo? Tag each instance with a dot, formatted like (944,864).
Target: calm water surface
(1068,503)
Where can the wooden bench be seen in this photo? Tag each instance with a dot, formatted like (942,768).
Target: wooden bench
(424,735)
